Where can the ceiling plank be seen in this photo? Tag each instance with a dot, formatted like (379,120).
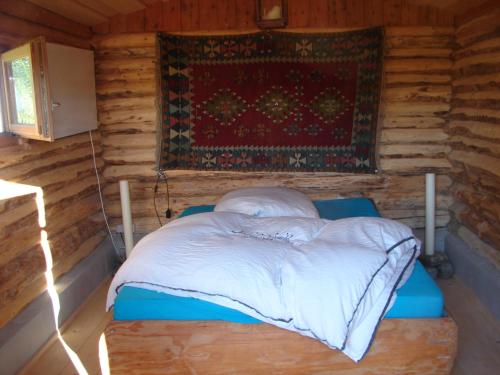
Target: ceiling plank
(72,10)
(25,30)
(125,6)
(100,6)
(456,7)
(433,3)
(33,13)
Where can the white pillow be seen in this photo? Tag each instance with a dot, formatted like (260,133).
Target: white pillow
(267,202)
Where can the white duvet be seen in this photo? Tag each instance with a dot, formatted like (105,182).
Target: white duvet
(330,280)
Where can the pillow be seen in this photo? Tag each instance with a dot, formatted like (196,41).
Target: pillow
(267,202)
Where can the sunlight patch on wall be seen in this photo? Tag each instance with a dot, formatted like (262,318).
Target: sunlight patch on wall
(11,190)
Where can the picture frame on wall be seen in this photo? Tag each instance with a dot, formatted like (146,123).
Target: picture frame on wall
(272,14)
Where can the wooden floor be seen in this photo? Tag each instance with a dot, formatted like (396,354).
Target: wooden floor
(478,349)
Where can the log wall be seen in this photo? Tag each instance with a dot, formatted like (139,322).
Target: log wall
(63,169)
(474,131)
(416,103)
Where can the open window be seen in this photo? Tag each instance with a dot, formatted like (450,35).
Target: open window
(23,72)
(49,90)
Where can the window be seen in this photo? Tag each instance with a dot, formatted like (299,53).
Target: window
(49,90)
(3,128)
(20,69)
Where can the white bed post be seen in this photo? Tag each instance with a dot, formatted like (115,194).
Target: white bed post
(430,209)
(126,217)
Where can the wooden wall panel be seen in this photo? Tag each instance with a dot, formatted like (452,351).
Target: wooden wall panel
(63,169)
(416,102)
(474,131)
(219,15)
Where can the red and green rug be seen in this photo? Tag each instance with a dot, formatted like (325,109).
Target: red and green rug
(271,101)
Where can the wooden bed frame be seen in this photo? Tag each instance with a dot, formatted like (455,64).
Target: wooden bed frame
(401,346)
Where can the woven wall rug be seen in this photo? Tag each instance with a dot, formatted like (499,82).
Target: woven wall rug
(271,101)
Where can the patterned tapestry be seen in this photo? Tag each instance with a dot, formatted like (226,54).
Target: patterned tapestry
(271,101)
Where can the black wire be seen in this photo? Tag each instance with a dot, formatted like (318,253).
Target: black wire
(168,190)
(154,198)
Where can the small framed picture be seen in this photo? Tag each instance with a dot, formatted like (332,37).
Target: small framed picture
(272,13)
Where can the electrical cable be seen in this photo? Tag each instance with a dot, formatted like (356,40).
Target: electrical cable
(154,199)
(165,178)
(100,198)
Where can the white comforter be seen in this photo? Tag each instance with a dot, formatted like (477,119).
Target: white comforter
(330,280)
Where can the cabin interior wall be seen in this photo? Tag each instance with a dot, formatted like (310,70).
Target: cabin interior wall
(416,104)
(63,169)
(474,132)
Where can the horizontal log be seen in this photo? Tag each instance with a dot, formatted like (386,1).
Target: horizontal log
(444,41)
(144,74)
(477,79)
(474,159)
(119,53)
(417,31)
(124,156)
(36,150)
(58,218)
(419,221)
(32,262)
(414,149)
(391,121)
(479,95)
(191,183)
(29,172)
(487,58)
(72,188)
(418,93)
(485,147)
(39,285)
(130,141)
(413,135)
(414,65)
(121,104)
(476,128)
(481,114)
(125,89)
(490,44)
(139,63)
(485,24)
(417,109)
(419,52)
(129,128)
(116,172)
(127,116)
(414,165)
(118,41)
(393,78)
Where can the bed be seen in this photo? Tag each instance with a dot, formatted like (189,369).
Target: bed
(155,332)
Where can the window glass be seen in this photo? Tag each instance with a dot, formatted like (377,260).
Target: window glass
(20,91)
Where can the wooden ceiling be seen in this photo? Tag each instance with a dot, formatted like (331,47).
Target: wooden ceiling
(91,12)
(455,7)
(95,12)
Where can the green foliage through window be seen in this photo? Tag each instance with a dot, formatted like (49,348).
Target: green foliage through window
(23,90)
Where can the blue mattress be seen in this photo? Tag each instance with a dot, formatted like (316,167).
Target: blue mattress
(420,297)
